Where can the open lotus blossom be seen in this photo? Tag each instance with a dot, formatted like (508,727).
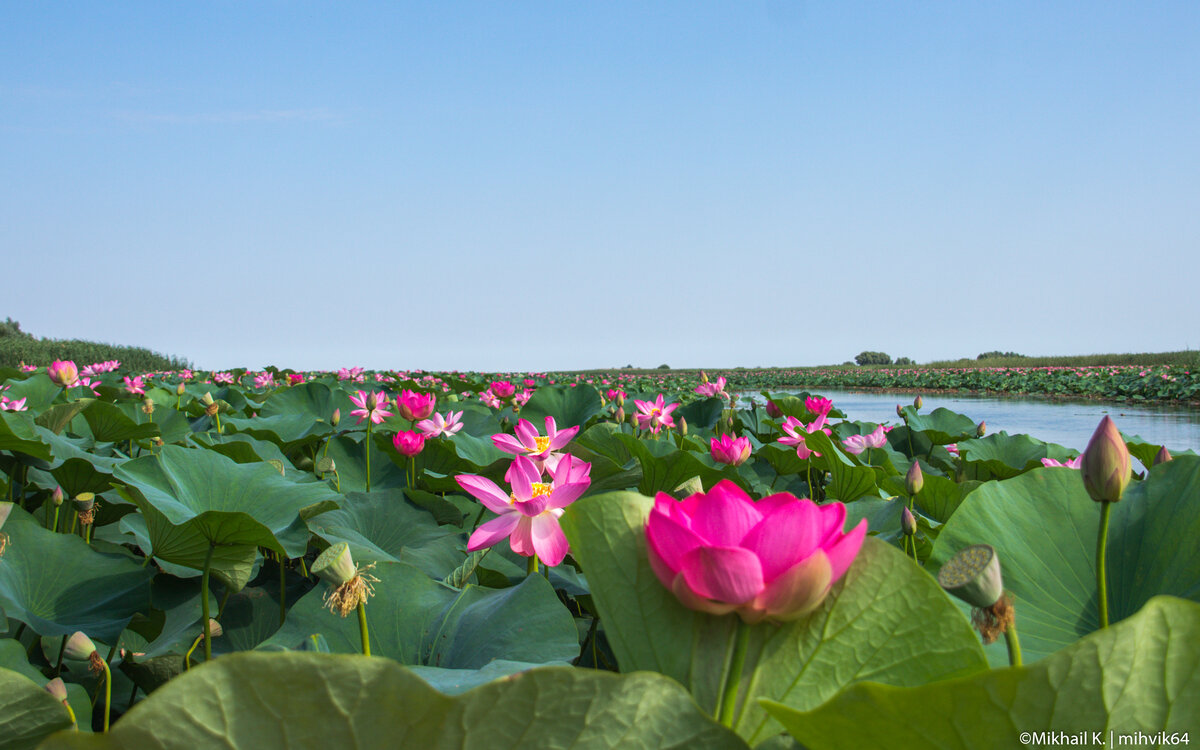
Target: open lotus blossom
(527,441)
(858,443)
(93,385)
(528,516)
(295,378)
(952,448)
(709,388)
(489,399)
(439,425)
(522,398)
(818,406)
(223,378)
(12,405)
(795,430)
(727,449)
(776,559)
(353,373)
(370,405)
(655,416)
(1070,464)
(264,380)
(135,385)
(64,373)
(503,388)
(414,406)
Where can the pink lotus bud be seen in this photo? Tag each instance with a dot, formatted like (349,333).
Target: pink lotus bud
(917,403)
(337,417)
(409,442)
(63,373)
(56,497)
(415,406)
(981,429)
(1105,466)
(683,426)
(914,480)
(1162,456)
(908,522)
(773,411)
(503,388)
(721,552)
(729,450)
(179,389)
(620,414)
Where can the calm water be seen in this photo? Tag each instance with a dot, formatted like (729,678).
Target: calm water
(1068,423)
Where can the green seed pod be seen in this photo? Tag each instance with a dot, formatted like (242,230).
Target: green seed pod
(973,575)
(335,564)
(57,688)
(84,501)
(79,647)
(207,399)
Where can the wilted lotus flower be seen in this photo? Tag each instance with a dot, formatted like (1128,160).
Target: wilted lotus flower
(414,406)
(776,559)
(63,373)
(1105,465)
(730,450)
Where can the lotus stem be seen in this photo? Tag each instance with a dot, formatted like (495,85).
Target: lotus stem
(218,418)
(56,509)
(362,628)
(303,568)
(733,677)
(1101,557)
(204,603)
(368,446)
(107,694)
(1013,643)
(61,650)
(187,658)
(282,589)
(71,713)
(531,567)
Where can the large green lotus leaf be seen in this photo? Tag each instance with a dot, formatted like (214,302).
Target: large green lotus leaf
(233,566)
(1141,675)
(65,448)
(12,656)
(17,434)
(942,426)
(109,424)
(847,481)
(265,701)
(886,620)
(940,497)
(349,455)
(568,406)
(383,527)
(173,426)
(57,584)
(1001,456)
(665,467)
(602,439)
(194,500)
(57,417)
(246,449)
(416,620)
(702,414)
(479,450)
(1044,527)
(295,416)
(1145,451)
(38,390)
(27,712)
(458,681)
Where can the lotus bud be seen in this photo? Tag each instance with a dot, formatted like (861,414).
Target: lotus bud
(914,480)
(773,411)
(179,389)
(63,373)
(917,403)
(337,417)
(57,688)
(1105,465)
(148,406)
(908,522)
(620,414)
(1162,456)
(683,426)
(981,429)
(620,398)
(703,376)
(56,497)
(973,575)
(899,411)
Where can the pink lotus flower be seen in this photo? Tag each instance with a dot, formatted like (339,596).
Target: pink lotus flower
(295,378)
(135,385)
(858,443)
(952,448)
(522,398)
(413,406)
(528,515)
(409,443)
(372,405)
(713,389)
(354,373)
(489,399)
(503,388)
(730,450)
(223,378)
(1071,464)
(612,393)
(13,405)
(655,416)
(794,427)
(528,442)
(776,559)
(818,406)
(93,385)
(773,410)
(64,373)
(264,380)
(439,425)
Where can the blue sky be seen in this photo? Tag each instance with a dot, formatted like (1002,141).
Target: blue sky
(498,186)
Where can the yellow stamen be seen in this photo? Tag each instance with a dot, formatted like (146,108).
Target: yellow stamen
(539,489)
(543,442)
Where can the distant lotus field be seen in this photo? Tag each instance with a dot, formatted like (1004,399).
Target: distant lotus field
(501,560)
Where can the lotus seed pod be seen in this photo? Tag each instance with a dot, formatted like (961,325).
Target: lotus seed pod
(337,417)
(207,399)
(157,441)
(335,564)
(981,430)
(683,426)
(1105,465)
(84,501)
(908,522)
(1162,456)
(79,647)
(179,389)
(57,688)
(914,480)
(148,406)
(372,401)
(973,575)
(918,403)
(56,497)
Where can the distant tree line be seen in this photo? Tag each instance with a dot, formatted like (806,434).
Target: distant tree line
(1001,355)
(17,347)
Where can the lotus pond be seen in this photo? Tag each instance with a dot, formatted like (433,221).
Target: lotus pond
(360,559)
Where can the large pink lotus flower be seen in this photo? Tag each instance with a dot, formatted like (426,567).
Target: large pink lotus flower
(776,559)
(63,373)
(135,385)
(858,443)
(413,406)
(370,405)
(295,378)
(503,388)
(522,398)
(655,416)
(727,449)
(528,442)
(528,515)
(409,442)
(796,431)
(439,425)
(1073,463)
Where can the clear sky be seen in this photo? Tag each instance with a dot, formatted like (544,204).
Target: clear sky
(562,185)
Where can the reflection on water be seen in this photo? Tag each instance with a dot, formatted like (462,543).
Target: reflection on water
(1068,423)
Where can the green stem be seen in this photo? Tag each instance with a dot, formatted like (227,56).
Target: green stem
(1014,645)
(1101,556)
(56,509)
(362,628)
(218,418)
(71,713)
(204,603)
(61,650)
(531,567)
(733,677)
(282,590)
(187,658)
(107,694)
(369,423)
